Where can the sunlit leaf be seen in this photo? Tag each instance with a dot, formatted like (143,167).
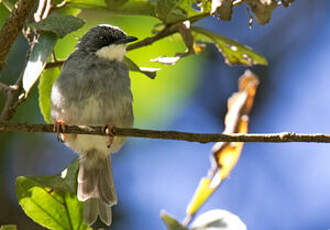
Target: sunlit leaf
(50,201)
(202,193)
(60,24)
(38,59)
(232,51)
(86,3)
(171,223)
(46,82)
(218,219)
(8,227)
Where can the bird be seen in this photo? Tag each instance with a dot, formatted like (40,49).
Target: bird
(94,88)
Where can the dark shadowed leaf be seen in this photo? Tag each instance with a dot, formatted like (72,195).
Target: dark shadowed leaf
(38,58)
(50,201)
(60,24)
(218,219)
(148,71)
(171,223)
(232,51)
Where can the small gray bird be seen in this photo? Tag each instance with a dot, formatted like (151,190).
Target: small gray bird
(94,89)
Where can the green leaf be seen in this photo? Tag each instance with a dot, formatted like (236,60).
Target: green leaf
(46,82)
(138,7)
(149,72)
(218,219)
(8,227)
(169,11)
(171,223)
(60,24)
(233,52)
(70,175)
(4,13)
(50,201)
(38,59)
(86,3)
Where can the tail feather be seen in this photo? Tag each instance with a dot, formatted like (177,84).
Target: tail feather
(95,207)
(96,188)
(105,185)
(91,210)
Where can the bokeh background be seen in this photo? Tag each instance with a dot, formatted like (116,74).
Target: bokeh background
(273,186)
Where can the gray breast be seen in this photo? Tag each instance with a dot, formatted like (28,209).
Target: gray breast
(92,90)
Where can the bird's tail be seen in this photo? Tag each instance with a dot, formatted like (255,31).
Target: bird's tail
(96,188)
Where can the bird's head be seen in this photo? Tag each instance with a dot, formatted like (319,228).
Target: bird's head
(105,41)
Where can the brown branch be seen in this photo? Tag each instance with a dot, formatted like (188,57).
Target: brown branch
(4,88)
(12,27)
(170,135)
(168,30)
(54,64)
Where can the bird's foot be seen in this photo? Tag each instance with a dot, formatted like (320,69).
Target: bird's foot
(109,129)
(59,129)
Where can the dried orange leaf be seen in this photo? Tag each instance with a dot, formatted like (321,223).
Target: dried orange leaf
(226,154)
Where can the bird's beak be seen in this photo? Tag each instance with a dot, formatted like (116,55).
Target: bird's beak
(126,40)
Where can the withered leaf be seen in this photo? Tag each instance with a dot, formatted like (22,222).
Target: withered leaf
(262,9)
(223,7)
(226,154)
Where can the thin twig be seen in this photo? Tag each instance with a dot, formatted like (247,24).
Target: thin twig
(54,64)
(4,88)
(170,135)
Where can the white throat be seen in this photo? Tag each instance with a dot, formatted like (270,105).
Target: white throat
(112,52)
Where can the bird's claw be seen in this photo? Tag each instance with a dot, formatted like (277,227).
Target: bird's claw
(109,129)
(59,129)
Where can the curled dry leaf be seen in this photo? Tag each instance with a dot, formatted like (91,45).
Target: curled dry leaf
(262,9)
(226,154)
(223,7)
